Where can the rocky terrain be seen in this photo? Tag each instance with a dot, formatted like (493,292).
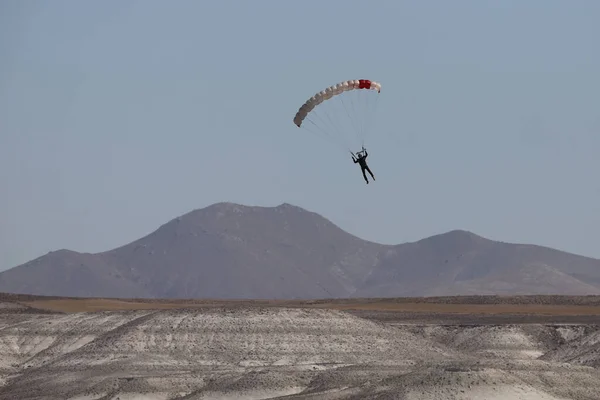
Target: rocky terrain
(299,350)
(285,252)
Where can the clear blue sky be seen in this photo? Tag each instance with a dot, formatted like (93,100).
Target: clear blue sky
(116,116)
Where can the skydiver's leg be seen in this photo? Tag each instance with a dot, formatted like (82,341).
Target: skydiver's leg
(369,169)
(364,175)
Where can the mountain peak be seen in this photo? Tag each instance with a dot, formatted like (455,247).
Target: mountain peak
(237,207)
(462,233)
(454,235)
(291,208)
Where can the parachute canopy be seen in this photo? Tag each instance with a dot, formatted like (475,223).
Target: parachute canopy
(341,109)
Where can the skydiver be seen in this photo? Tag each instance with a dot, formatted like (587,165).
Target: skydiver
(362,160)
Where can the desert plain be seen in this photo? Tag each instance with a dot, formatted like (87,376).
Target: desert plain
(469,347)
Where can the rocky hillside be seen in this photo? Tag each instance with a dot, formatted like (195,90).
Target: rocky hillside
(234,251)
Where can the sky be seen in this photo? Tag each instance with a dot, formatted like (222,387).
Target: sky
(117,116)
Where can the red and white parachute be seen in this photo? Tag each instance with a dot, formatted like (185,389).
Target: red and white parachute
(340,110)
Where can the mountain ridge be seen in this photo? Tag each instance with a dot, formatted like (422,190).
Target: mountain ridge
(231,250)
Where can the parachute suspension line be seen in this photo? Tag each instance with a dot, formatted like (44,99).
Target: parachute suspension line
(338,122)
(370,117)
(357,110)
(368,108)
(357,113)
(350,117)
(323,134)
(363,102)
(361,106)
(336,127)
(369,103)
(331,124)
(320,133)
(316,115)
(323,122)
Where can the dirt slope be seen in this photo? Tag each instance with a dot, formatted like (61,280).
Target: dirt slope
(260,352)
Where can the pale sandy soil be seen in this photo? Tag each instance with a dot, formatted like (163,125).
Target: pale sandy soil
(294,352)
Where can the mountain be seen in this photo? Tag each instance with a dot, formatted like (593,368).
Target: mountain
(462,263)
(234,251)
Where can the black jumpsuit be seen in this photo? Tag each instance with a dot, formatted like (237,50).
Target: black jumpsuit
(362,160)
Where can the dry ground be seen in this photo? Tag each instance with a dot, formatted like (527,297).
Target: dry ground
(538,347)
(539,305)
